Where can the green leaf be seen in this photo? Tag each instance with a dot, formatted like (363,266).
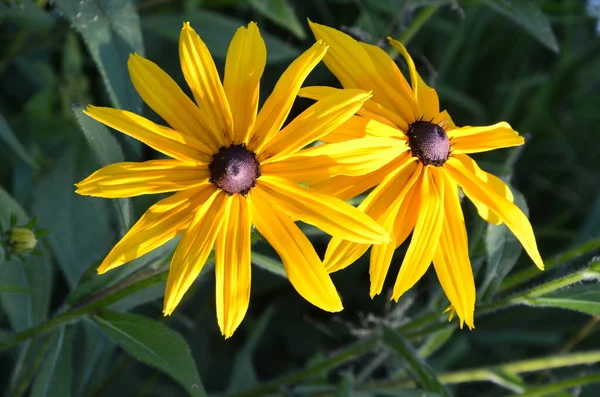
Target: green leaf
(216,30)
(15,289)
(80,226)
(243,375)
(281,13)
(436,341)
(527,15)
(93,361)
(13,143)
(56,374)
(111,31)
(269,264)
(107,151)
(155,344)
(582,298)
(346,386)
(503,251)
(425,375)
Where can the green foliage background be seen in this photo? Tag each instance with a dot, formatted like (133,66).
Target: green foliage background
(65,331)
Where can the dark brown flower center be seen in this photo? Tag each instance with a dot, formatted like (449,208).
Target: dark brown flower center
(234,169)
(429,142)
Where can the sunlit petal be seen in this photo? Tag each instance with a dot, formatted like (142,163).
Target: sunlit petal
(451,259)
(426,232)
(329,214)
(360,127)
(165,140)
(149,177)
(302,265)
(203,79)
(159,224)
(164,96)
(318,120)
(194,247)
(244,66)
(482,139)
(278,105)
(509,213)
(232,265)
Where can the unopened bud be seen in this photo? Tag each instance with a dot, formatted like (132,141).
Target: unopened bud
(21,240)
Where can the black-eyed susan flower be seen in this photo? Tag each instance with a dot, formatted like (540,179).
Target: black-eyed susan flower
(417,191)
(233,167)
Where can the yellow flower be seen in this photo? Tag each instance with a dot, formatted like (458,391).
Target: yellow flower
(417,191)
(234,167)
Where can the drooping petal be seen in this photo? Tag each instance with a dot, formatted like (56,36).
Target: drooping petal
(232,264)
(451,259)
(483,139)
(426,232)
(399,221)
(159,224)
(318,120)
(165,140)
(426,96)
(360,127)
(149,177)
(355,157)
(244,66)
(351,63)
(203,79)
(377,205)
(509,213)
(493,182)
(370,109)
(278,105)
(164,96)
(329,214)
(194,247)
(300,261)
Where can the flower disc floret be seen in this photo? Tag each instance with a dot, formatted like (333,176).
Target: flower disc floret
(234,169)
(429,142)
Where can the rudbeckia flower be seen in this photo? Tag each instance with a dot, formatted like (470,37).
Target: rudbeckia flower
(232,168)
(417,191)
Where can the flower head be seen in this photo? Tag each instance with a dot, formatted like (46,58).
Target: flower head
(21,240)
(417,191)
(234,167)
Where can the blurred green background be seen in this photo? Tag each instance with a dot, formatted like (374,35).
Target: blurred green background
(535,64)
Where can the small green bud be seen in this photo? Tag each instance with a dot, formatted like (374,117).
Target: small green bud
(21,240)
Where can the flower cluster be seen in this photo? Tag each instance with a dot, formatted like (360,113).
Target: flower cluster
(235,167)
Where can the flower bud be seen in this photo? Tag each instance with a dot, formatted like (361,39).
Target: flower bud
(21,240)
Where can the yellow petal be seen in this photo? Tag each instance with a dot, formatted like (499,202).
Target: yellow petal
(244,66)
(377,204)
(405,104)
(446,121)
(451,259)
(426,232)
(300,261)
(399,220)
(165,140)
(193,248)
(159,224)
(509,213)
(370,109)
(149,177)
(164,96)
(333,216)
(355,157)
(203,79)
(493,182)
(351,63)
(482,139)
(318,120)
(232,265)
(278,105)
(426,96)
(361,127)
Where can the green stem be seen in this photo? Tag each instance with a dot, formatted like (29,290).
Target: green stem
(417,23)
(92,305)
(560,386)
(531,272)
